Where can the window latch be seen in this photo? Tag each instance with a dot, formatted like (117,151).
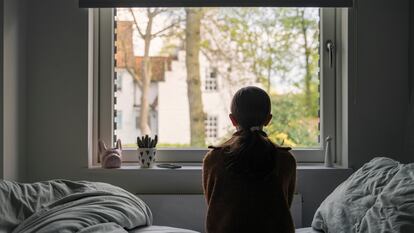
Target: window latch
(330,48)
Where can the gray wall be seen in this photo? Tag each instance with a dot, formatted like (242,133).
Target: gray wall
(379,82)
(14,92)
(410,120)
(57,108)
(57,85)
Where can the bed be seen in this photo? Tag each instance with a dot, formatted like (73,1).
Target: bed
(379,197)
(74,206)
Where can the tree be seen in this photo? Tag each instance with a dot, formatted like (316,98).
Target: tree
(273,42)
(258,36)
(219,47)
(192,45)
(289,126)
(305,30)
(147,34)
(308,31)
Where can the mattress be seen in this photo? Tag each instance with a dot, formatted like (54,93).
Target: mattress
(161,229)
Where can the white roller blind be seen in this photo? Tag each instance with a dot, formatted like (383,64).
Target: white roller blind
(214,3)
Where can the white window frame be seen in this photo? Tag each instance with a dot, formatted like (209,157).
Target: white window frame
(102,43)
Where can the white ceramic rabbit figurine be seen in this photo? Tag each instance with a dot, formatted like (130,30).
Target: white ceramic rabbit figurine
(110,157)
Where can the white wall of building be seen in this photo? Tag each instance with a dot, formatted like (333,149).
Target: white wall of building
(127,111)
(173,106)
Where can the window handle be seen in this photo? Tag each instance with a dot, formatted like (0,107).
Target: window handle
(330,48)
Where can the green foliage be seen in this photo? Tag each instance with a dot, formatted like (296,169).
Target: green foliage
(274,41)
(290,126)
(258,36)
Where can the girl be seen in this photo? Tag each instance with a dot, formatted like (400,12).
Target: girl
(249,181)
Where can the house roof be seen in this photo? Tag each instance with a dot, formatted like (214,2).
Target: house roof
(124,57)
(124,54)
(158,65)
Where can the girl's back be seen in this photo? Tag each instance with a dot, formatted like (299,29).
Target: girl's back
(239,203)
(249,181)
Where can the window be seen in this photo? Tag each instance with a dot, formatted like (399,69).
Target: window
(282,50)
(118,83)
(118,120)
(210,83)
(211,128)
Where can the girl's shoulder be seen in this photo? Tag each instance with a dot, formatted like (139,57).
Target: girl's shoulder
(213,154)
(283,148)
(285,156)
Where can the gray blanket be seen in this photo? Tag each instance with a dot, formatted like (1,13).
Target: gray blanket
(379,197)
(69,206)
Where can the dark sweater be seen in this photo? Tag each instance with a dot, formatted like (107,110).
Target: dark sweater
(237,204)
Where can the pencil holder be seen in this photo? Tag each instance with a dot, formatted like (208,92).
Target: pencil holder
(147,151)
(147,157)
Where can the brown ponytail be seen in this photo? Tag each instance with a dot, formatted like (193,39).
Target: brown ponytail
(249,151)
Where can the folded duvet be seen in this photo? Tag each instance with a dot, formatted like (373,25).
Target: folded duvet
(377,198)
(69,206)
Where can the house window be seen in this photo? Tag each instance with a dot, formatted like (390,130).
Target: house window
(282,50)
(118,120)
(211,80)
(211,127)
(118,83)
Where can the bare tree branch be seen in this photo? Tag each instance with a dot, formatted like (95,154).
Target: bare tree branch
(136,23)
(135,76)
(172,25)
(158,11)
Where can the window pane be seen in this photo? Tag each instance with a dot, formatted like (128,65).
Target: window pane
(180,67)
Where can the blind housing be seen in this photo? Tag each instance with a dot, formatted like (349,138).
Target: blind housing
(214,3)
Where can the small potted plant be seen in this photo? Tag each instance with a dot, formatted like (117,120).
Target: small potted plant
(147,150)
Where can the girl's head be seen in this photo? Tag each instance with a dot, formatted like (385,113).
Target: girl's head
(249,151)
(250,107)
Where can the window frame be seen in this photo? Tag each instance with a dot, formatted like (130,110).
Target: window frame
(102,25)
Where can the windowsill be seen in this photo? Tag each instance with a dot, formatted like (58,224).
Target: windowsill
(132,166)
(198,167)
(187,180)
